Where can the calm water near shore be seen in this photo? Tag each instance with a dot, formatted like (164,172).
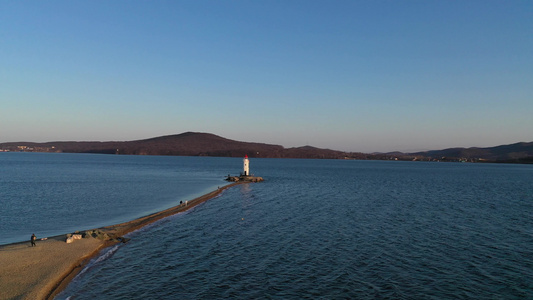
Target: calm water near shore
(50,194)
(314,229)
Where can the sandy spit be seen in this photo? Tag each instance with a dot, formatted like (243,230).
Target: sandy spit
(41,272)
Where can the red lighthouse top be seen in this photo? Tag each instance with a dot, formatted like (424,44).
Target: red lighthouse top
(246,156)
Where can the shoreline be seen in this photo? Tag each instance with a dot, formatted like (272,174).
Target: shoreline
(43,271)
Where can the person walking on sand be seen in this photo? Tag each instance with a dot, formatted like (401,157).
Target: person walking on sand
(33,238)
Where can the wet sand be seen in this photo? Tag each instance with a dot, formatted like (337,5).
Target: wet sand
(42,271)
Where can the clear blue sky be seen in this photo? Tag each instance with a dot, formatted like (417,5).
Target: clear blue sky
(347,75)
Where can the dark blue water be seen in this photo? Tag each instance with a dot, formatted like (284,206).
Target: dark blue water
(337,230)
(333,229)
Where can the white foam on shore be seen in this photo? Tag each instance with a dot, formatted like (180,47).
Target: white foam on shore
(105,254)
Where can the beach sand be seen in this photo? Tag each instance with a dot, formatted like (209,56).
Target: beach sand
(41,272)
(34,272)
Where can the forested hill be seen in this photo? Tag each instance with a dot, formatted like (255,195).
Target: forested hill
(206,144)
(517,153)
(185,144)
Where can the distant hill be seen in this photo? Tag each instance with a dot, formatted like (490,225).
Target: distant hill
(185,144)
(206,144)
(517,153)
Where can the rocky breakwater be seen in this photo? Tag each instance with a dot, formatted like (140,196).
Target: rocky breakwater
(94,233)
(243,178)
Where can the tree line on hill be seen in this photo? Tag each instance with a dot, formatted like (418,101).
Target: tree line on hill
(206,144)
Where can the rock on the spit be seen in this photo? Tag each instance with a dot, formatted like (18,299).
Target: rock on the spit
(72,237)
(97,234)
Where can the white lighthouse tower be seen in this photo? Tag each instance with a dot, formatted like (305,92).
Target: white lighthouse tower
(246,166)
(245,175)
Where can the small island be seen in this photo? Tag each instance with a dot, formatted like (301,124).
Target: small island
(243,178)
(245,175)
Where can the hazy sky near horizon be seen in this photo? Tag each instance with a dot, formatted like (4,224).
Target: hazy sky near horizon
(347,75)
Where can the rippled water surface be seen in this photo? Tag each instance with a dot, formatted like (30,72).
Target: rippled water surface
(332,229)
(50,194)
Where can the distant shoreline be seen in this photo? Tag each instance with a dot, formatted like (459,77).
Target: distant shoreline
(43,271)
(207,144)
(345,156)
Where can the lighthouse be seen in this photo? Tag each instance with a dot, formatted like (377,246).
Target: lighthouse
(246,166)
(245,175)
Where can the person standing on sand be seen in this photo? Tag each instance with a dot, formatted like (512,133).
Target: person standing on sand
(33,238)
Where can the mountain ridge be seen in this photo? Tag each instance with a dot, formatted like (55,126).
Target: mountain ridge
(208,144)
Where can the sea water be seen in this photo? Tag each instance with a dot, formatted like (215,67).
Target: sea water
(56,193)
(327,229)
